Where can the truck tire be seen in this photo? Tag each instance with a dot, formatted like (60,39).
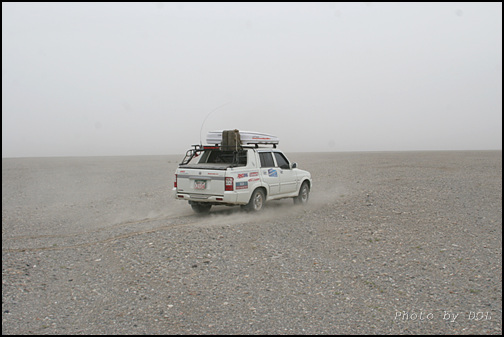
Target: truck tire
(256,202)
(200,207)
(304,194)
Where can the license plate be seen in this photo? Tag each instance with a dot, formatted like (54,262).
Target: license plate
(200,184)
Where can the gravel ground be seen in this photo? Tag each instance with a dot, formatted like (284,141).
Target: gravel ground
(391,243)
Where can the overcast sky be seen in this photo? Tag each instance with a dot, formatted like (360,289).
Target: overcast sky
(93,79)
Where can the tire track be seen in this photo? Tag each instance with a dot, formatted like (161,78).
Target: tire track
(96,242)
(60,236)
(183,221)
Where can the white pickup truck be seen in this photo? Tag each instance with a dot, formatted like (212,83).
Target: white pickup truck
(248,174)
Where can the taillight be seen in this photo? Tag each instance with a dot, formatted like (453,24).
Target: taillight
(229,184)
(175,183)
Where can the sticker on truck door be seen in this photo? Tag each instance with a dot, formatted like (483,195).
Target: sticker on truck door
(272,173)
(242,185)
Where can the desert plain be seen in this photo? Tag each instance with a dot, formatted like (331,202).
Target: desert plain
(390,243)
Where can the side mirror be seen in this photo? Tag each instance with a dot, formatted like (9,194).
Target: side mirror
(294,165)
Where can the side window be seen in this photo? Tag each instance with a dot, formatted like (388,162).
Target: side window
(281,160)
(266,159)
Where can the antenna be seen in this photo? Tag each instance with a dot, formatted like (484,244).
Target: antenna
(208,115)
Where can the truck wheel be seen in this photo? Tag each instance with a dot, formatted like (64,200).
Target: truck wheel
(256,202)
(304,194)
(201,208)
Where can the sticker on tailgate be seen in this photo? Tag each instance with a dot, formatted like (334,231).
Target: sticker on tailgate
(200,184)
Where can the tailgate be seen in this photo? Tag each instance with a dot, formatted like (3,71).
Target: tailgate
(195,181)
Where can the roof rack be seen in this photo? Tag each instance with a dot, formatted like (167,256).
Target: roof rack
(256,146)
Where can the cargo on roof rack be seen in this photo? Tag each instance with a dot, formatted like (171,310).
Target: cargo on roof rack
(246,137)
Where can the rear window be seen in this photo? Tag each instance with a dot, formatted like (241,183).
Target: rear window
(225,157)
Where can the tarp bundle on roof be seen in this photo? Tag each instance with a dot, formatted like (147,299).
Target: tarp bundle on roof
(231,140)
